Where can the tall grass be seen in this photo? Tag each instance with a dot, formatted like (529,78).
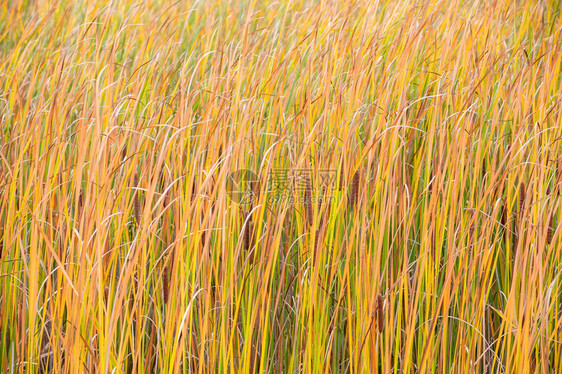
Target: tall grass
(122,250)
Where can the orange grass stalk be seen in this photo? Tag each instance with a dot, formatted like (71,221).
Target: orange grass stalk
(136,204)
(166,279)
(558,185)
(323,217)
(167,273)
(503,218)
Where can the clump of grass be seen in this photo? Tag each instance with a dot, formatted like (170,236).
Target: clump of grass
(105,107)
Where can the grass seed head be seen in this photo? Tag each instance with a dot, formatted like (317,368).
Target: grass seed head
(354,191)
(551,230)
(379,308)
(136,203)
(522,196)
(308,200)
(248,234)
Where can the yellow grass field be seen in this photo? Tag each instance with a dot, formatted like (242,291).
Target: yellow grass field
(293,186)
